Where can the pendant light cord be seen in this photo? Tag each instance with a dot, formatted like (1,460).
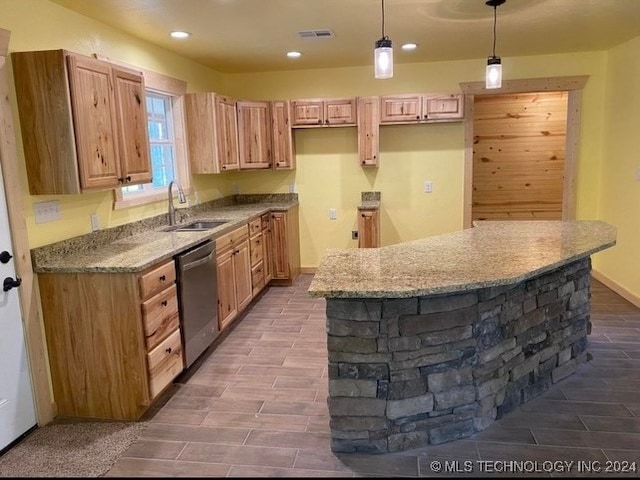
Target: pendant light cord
(495,16)
(383,19)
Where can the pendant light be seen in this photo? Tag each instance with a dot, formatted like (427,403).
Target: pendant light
(494,64)
(383,54)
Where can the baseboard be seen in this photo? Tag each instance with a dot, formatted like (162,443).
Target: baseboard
(311,270)
(616,287)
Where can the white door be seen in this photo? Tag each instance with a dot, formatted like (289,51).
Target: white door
(17,414)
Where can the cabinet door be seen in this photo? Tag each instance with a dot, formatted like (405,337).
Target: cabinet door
(135,163)
(254,135)
(202,137)
(368,130)
(280,245)
(227,133)
(267,253)
(282,136)
(227,306)
(340,112)
(368,229)
(94,118)
(308,112)
(242,266)
(400,108)
(443,107)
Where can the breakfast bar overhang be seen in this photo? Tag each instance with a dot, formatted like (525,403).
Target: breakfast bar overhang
(433,340)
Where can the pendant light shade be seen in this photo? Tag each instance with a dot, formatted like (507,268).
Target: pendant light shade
(493,77)
(383,54)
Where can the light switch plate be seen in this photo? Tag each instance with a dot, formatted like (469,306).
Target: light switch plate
(292,188)
(428,186)
(95,224)
(332,214)
(46,211)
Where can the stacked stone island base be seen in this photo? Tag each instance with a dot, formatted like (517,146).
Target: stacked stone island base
(407,372)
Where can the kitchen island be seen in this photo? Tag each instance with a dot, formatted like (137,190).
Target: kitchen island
(433,340)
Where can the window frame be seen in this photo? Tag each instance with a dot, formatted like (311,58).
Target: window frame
(176,89)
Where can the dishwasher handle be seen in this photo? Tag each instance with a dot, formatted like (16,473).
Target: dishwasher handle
(197,263)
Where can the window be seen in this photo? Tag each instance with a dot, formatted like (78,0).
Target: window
(165,121)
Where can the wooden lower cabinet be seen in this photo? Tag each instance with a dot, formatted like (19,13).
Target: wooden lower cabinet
(368,228)
(285,238)
(234,275)
(113,340)
(267,248)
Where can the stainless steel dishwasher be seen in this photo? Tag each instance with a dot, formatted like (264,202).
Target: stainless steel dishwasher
(198,299)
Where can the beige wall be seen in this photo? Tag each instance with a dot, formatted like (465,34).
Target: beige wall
(620,191)
(41,25)
(328,174)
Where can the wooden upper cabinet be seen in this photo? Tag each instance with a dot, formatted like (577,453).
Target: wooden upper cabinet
(82,125)
(437,107)
(324,112)
(283,149)
(227,129)
(421,108)
(368,130)
(254,135)
(135,162)
(212,132)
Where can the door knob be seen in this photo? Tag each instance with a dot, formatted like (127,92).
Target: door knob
(10,283)
(5,257)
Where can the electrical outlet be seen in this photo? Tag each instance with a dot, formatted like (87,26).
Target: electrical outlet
(292,188)
(95,224)
(332,214)
(428,186)
(354,234)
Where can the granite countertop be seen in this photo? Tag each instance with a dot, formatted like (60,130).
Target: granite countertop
(136,252)
(490,254)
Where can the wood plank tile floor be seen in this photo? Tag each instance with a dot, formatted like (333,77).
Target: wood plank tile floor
(255,405)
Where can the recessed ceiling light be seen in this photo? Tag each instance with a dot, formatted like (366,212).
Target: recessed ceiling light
(294,54)
(179,34)
(409,46)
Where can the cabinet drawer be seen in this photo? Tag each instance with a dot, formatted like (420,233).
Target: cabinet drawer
(158,325)
(158,308)
(157,279)
(231,239)
(165,363)
(257,278)
(255,227)
(256,250)
(265,220)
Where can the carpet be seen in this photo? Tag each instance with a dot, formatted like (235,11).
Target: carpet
(70,449)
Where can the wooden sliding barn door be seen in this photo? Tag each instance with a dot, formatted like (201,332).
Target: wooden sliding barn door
(519,143)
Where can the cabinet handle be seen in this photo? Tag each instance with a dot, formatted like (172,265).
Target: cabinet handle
(163,278)
(128,178)
(326,121)
(169,350)
(224,167)
(277,164)
(164,303)
(426,116)
(363,215)
(319,120)
(364,162)
(375,156)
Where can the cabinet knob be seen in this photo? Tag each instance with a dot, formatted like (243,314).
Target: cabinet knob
(224,167)
(426,116)
(375,156)
(164,303)
(169,350)
(363,215)
(5,257)
(319,121)
(163,278)
(363,162)
(277,164)
(326,121)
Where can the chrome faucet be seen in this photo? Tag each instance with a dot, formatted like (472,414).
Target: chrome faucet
(181,199)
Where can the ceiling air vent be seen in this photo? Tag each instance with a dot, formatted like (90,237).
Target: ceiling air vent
(321,33)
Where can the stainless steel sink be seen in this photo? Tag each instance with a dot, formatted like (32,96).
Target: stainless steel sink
(197,226)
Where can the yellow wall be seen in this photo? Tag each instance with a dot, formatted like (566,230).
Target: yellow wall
(620,194)
(41,25)
(328,174)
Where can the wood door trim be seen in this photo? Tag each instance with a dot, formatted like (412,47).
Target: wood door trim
(46,408)
(574,86)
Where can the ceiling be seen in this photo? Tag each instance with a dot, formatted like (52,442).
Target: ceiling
(254,35)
